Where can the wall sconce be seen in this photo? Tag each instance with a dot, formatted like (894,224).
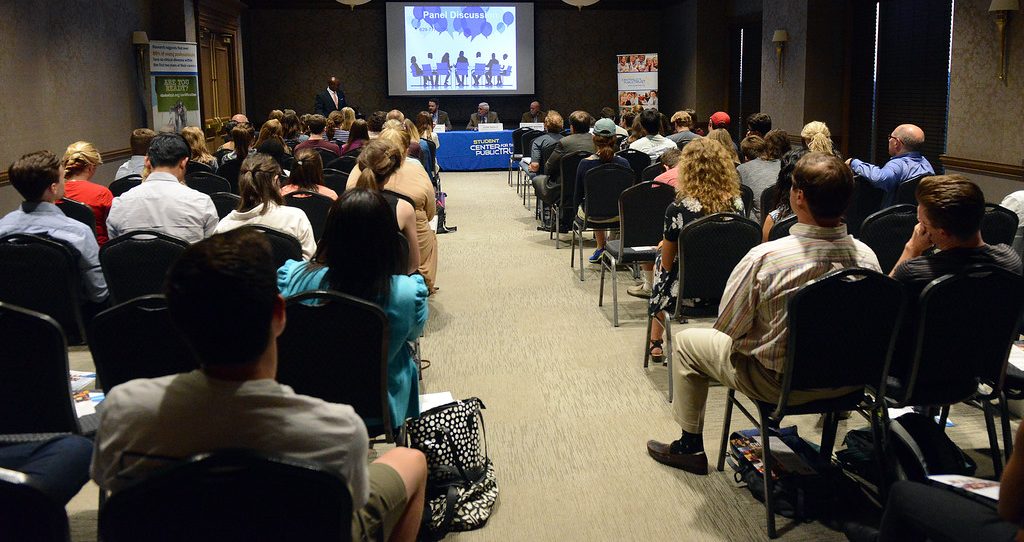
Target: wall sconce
(580,3)
(353,3)
(780,37)
(1002,9)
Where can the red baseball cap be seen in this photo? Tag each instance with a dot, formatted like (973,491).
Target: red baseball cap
(720,120)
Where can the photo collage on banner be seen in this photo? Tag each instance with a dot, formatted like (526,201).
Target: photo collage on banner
(638,81)
(452,47)
(174,78)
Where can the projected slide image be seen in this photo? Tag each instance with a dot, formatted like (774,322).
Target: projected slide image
(460,47)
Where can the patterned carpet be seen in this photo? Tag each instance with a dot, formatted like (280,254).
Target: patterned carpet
(569,405)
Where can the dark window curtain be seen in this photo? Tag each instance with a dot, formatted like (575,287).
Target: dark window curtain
(913,72)
(861,55)
(746,100)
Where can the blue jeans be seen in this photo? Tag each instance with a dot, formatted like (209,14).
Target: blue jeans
(58,467)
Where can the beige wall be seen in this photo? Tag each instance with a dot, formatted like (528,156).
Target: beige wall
(785,102)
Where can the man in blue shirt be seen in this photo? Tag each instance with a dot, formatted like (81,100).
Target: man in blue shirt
(906,162)
(39,178)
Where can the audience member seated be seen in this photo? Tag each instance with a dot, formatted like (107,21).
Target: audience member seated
(39,178)
(721,135)
(339,125)
(425,125)
(222,295)
(80,162)
(140,146)
(357,137)
(604,153)
(271,131)
(261,203)
(609,113)
(317,128)
(669,161)
(534,114)
(759,124)
(243,136)
(58,467)
(163,202)
(292,127)
(906,162)
(681,123)
(375,123)
(226,132)
(409,182)
(483,114)
(653,143)
(553,123)
(746,348)
(548,186)
(818,138)
(708,184)
(276,149)
(781,208)
(778,143)
(759,171)
(307,174)
(628,122)
(396,114)
(197,144)
(720,120)
(361,228)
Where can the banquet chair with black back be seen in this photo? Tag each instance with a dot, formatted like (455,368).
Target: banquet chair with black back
(78,211)
(232,496)
(998,225)
(817,358)
(326,156)
(781,228)
(641,225)
(336,348)
(768,201)
(517,150)
(197,167)
(136,339)
(230,170)
(523,181)
(567,166)
(42,274)
(888,231)
(336,179)
(603,185)
(709,249)
(747,195)
(638,161)
(651,171)
(225,202)
(315,205)
(906,191)
(37,401)
(342,164)
(867,199)
(26,513)
(207,182)
(136,263)
(545,153)
(283,246)
(123,184)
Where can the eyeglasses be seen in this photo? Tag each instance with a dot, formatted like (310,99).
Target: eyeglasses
(894,137)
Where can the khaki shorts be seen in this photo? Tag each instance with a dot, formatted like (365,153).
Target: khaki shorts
(378,517)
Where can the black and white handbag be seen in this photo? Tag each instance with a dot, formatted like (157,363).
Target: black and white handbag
(461,486)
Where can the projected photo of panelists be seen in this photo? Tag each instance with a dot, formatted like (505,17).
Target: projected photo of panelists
(440,42)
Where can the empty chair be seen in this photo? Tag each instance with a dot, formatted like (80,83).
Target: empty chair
(641,217)
(768,198)
(747,195)
(326,155)
(517,150)
(232,496)
(343,165)
(335,348)
(195,166)
(207,183)
(603,185)
(637,160)
(26,513)
(651,171)
(230,170)
(136,263)
(78,211)
(818,358)
(568,166)
(335,180)
(906,192)
(999,225)
(781,228)
(41,274)
(137,340)
(315,205)
(124,184)
(34,362)
(284,247)
(867,200)
(887,231)
(225,202)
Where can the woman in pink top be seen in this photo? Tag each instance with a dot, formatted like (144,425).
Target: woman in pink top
(80,162)
(307,174)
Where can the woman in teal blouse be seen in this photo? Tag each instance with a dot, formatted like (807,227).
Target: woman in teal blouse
(361,254)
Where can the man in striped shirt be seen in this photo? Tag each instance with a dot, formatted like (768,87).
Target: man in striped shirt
(746,349)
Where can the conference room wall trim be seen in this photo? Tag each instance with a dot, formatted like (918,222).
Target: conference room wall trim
(981,166)
(108,158)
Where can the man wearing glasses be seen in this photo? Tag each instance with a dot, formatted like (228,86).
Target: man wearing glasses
(906,162)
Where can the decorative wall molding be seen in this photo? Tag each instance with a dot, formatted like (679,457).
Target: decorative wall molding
(981,166)
(108,157)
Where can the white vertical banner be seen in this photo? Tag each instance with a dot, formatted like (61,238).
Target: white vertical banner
(174,80)
(638,80)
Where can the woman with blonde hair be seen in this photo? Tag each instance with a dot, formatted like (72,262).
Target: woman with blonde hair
(80,162)
(817,137)
(197,144)
(708,184)
(271,130)
(722,136)
(260,202)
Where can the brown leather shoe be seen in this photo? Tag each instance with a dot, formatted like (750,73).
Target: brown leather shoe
(696,463)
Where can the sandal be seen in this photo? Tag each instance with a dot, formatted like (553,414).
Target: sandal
(656,345)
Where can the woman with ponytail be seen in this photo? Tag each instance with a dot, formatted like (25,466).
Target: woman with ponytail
(360,254)
(261,203)
(817,138)
(80,162)
(604,141)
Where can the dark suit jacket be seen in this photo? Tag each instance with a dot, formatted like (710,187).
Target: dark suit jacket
(568,144)
(324,104)
(475,119)
(527,117)
(442,118)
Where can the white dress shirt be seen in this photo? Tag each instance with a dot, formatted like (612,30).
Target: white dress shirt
(163,204)
(653,145)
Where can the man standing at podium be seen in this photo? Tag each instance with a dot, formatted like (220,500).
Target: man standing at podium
(329,99)
(483,114)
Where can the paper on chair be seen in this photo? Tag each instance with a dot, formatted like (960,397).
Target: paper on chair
(978,486)
(81,380)
(86,401)
(431,400)
(1017,356)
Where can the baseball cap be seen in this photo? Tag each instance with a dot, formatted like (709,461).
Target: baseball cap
(604,127)
(720,120)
